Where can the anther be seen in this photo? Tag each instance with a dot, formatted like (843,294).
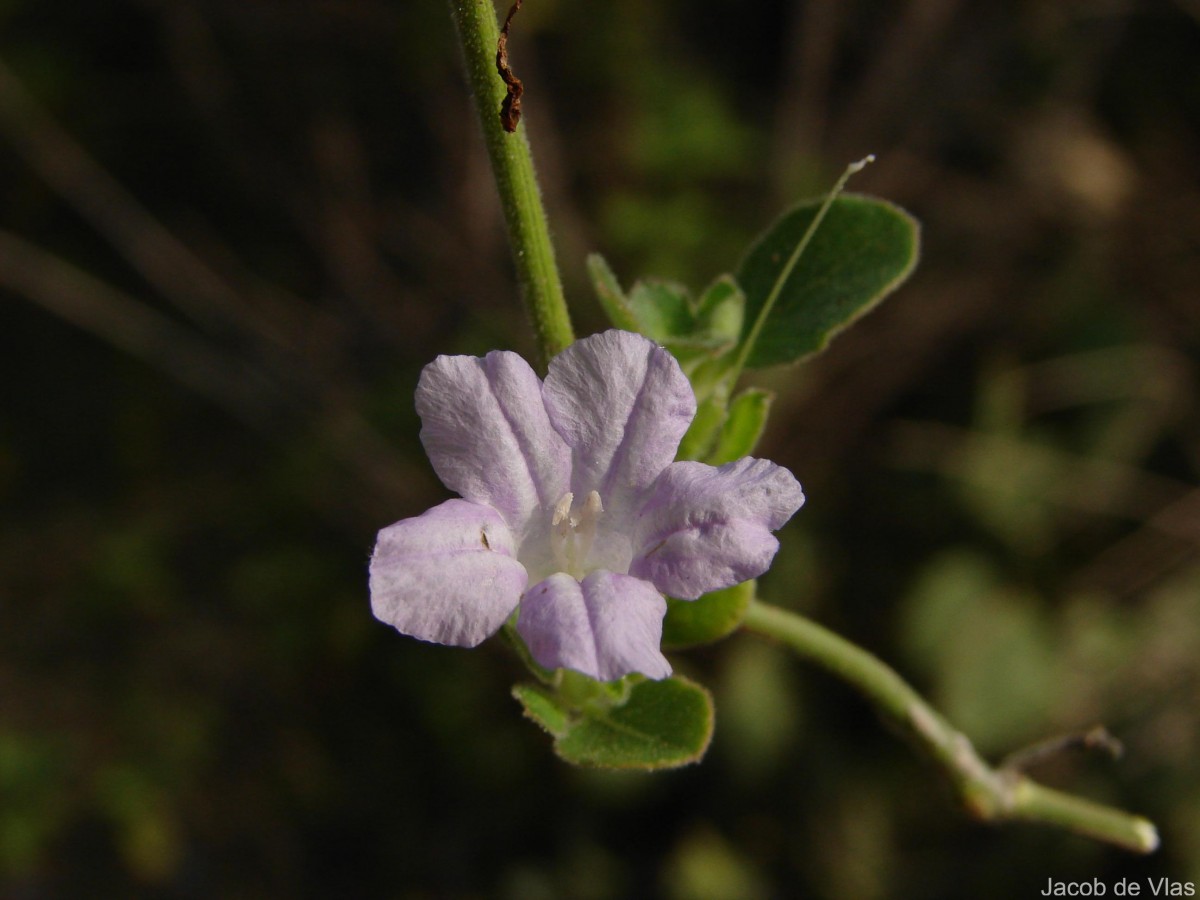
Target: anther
(563,513)
(572,537)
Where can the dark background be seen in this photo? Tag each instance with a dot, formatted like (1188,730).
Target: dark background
(231,233)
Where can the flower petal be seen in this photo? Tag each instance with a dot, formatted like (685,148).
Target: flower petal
(447,575)
(486,432)
(706,528)
(622,404)
(606,626)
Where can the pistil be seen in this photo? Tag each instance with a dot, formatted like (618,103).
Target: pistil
(572,537)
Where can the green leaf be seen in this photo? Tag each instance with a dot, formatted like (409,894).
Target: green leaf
(710,618)
(543,707)
(710,416)
(663,309)
(743,427)
(609,292)
(709,376)
(721,311)
(861,252)
(694,330)
(662,725)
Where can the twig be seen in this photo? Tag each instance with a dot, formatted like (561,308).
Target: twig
(151,249)
(991,795)
(1094,739)
(88,303)
(236,386)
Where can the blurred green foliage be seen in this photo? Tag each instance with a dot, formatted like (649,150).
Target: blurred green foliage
(1000,462)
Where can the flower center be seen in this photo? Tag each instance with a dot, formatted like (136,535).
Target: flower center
(572,536)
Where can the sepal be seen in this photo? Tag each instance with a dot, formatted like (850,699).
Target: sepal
(691,623)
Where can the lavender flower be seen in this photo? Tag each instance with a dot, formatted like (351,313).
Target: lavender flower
(569,486)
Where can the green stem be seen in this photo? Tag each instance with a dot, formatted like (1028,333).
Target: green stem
(514,641)
(989,794)
(512,165)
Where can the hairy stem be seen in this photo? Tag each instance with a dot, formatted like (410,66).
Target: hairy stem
(989,794)
(512,165)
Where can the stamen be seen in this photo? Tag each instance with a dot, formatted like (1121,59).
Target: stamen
(561,539)
(562,511)
(572,537)
(586,529)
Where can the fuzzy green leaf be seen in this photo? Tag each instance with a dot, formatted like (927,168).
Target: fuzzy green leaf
(743,427)
(721,311)
(609,292)
(861,252)
(705,428)
(663,309)
(543,708)
(662,725)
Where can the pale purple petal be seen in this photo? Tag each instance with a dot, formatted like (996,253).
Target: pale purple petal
(486,432)
(606,626)
(622,404)
(704,528)
(447,575)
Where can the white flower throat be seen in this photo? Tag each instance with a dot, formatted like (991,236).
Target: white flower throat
(573,536)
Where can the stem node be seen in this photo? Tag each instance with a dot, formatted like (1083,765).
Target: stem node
(987,794)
